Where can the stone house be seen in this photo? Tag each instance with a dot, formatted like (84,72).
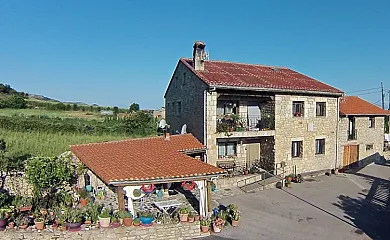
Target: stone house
(361,132)
(248,114)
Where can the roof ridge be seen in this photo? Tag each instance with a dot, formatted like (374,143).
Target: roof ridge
(241,63)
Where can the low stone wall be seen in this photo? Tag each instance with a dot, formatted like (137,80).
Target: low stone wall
(229,182)
(163,231)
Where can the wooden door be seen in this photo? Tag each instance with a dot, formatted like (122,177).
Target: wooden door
(351,154)
(252,153)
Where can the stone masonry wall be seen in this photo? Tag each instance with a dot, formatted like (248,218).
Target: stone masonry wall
(365,135)
(164,231)
(289,128)
(187,88)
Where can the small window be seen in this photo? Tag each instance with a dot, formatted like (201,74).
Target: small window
(227,149)
(178,108)
(298,108)
(297,149)
(184,78)
(320,109)
(320,146)
(371,122)
(369,147)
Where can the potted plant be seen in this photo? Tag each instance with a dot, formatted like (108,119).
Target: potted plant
(74,219)
(191,217)
(183,211)
(218,224)
(146,218)
(39,221)
(22,221)
(25,204)
(136,222)
(115,222)
(205,224)
(234,214)
(84,195)
(196,217)
(3,219)
(104,218)
(93,210)
(127,218)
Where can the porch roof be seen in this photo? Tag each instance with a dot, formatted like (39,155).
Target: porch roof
(153,159)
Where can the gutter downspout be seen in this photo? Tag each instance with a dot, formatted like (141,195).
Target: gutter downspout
(337,133)
(205,123)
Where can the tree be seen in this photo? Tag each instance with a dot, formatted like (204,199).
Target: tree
(134,107)
(14,101)
(75,107)
(116,111)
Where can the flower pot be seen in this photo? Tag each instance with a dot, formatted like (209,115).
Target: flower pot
(127,222)
(23,226)
(216,228)
(183,217)
(197,218)
(191,219)
(115,224)
(39,225)
(146,221)
(204,229)
(234,223)
(136,224)
(25,208)
(83,202)
(104,222)
(88,222)
(73,226)
(11,224)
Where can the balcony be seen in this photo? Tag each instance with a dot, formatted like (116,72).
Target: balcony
(244,125)
(352,135)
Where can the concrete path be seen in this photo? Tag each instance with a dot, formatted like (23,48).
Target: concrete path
(347,206)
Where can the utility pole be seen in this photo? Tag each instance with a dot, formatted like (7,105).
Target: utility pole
(383,97)
(389,100)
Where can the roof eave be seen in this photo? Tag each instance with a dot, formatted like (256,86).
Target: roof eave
(364,114)
(278,90)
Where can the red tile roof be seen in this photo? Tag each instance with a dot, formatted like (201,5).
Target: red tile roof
(353,105)
(144,159)
(219,73)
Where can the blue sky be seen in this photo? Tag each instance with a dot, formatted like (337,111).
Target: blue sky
(123,51)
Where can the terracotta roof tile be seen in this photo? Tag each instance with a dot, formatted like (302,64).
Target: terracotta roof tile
(144,158)
(219,73)
(353,105)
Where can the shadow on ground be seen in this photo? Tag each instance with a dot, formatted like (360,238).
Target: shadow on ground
(370,212)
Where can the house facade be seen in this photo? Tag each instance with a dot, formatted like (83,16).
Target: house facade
(253,115)
(361,132)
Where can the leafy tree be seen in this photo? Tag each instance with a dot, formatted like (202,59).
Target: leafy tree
(75,107)
(134,107)
(14,101)
(116,111)
(99,108)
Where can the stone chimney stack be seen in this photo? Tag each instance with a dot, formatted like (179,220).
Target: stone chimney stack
(199,55)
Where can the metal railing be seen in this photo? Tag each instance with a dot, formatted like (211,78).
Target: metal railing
(263,176)
(238,123)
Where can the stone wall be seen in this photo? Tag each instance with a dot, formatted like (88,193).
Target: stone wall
(185,87)
(308,128)
(165,231)
(365,135)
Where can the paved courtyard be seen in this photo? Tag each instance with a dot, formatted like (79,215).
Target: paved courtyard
(345,206)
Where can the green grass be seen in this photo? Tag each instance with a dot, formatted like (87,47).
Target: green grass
(48,144)
(49,113)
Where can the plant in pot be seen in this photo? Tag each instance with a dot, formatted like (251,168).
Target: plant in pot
(39,221)
(126,217)
(84,195)
(105,217)
(196,217)
(234,214)
(3,219)
(25,204)
(136,222)
(191,217)
(93,210)
(183,211)
(22,221)
(218,224)
(205,224)
(75,219)
(146,218)
(115,222)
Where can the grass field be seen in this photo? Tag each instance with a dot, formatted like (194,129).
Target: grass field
(48,144)
(49,113)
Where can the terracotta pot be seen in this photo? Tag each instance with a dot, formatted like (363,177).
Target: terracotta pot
(88,222)
(197,218)
(25,208)
(234,223)
(11,224)
(83,202)
(191,219)
(183,217)
(104,222)
(128,222)
(216,229)
(204,229)
(23,226)
(40,225)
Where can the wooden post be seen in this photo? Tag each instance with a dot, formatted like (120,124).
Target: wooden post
(121,198)
(209,203)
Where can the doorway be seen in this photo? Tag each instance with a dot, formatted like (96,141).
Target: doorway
(351,155)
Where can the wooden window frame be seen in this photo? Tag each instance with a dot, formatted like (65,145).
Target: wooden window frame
(295,108)
(320,109)
(320,150)
(299,146)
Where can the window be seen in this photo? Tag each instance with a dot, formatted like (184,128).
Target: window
(372,122)
(297,149)
(230,108)
(320,109)
(184,78)
(320,146)
(178,108)
(227,149)
(369,147)
(297,108)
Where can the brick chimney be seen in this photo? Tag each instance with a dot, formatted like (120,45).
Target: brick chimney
(198,55)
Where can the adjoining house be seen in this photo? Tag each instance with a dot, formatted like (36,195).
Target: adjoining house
(254,115)
(361,132)
(114,166)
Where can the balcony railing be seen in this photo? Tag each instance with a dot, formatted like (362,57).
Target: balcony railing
(352,135)
(236,123)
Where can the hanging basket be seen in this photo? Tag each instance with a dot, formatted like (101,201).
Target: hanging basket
(188,185)
(148,189)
